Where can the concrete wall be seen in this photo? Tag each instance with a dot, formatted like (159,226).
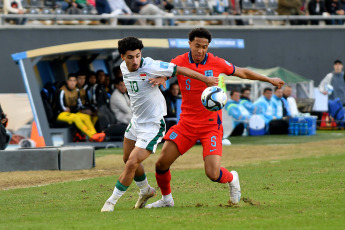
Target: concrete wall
(306,51)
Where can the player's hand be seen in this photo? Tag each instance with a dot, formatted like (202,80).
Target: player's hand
(212,81)
(158,81)
(277,82)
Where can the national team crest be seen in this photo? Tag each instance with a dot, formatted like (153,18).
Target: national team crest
(143,76)
(208,73)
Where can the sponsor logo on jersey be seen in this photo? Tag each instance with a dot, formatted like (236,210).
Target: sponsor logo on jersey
(143,76)
(143,140)
(164,65)
(228,63)
(208,73)
(173,135)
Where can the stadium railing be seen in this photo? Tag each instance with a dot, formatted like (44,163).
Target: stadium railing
(57,17)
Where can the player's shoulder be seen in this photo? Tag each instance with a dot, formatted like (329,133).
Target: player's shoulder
(180,58)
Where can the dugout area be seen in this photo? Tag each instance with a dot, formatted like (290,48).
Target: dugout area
(51,64)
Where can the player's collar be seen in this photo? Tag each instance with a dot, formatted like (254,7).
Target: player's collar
(191,59)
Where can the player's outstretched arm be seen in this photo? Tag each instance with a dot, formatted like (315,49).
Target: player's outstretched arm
(210,81)
(248,74)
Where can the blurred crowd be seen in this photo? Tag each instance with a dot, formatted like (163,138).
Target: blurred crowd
(170,8)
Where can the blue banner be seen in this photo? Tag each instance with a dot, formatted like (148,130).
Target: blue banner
(215,43)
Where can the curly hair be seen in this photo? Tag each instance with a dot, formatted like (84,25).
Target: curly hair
(200,33)
(129,43)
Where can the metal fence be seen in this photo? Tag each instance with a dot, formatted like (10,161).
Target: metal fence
(226,20)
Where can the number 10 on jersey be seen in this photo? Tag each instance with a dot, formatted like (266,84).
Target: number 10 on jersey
(134,86)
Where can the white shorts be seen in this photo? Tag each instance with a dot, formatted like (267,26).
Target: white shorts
(147,135)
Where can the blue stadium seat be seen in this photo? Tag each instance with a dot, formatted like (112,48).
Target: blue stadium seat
(177,3)
(46,11)
(260,4)
(187,12)
(203,4)
(175,12)
(190,4)
(247,5)
(200,11)
(272,4)
(35,3)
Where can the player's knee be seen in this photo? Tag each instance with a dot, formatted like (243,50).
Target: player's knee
(160,166)
(131,165)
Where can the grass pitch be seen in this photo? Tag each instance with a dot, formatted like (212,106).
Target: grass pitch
(294,186)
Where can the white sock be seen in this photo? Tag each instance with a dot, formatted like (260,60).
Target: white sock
(116,195)
(143,185)
(167,198)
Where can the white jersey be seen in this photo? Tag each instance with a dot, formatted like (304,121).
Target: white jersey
(147,102)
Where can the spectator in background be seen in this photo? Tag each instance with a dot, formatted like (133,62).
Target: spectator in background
(119,7)
(240,114)
(278,125)
(334,7)
(62,4)
(245,94)
(14,7)
(220,7)
(107,85)
(5,135)
(120,103)
(236,9)
(316,7)
(100,77)
(336,80)
(164,4)
(144,7)
(287,92)
(81,78)
(98,100)
(171,97)
(117,72)
(68,106)
(291,7)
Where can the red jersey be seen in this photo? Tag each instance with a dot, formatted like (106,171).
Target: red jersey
(191,89)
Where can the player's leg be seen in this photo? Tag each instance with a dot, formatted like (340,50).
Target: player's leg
(136,157)
(146,191)
(177,142)
(167,157)
(90,128)
(212,153)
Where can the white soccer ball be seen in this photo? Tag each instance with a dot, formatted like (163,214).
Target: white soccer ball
(213,98)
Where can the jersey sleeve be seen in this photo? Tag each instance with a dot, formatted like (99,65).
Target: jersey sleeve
(226,67)
(162,69)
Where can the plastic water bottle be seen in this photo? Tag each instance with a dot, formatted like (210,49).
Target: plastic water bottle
(291,128)
(296,129)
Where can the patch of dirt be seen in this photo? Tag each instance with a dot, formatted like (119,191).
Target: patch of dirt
(250,201)
(112,165)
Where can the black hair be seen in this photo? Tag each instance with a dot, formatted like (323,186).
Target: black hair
(79,73)
(267,89)
(245,89)
(337,62)
(91,73)
(71,75)
(99,71)
(200,33)
(116,71)
(129,43)
(276,88)
(118,80)
(234,91)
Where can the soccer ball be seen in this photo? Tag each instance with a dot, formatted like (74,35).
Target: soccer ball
(213,98)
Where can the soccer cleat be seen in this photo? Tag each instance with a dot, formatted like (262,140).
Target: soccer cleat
(108,207)
(235,189)
(143,198)
(161,204)
(97,137)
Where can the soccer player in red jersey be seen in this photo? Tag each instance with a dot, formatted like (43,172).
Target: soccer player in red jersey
(197,123)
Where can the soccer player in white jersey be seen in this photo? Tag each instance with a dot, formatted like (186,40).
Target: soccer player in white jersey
(147,126)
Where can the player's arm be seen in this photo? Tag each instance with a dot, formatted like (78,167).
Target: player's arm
(210,81)
(249,74)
